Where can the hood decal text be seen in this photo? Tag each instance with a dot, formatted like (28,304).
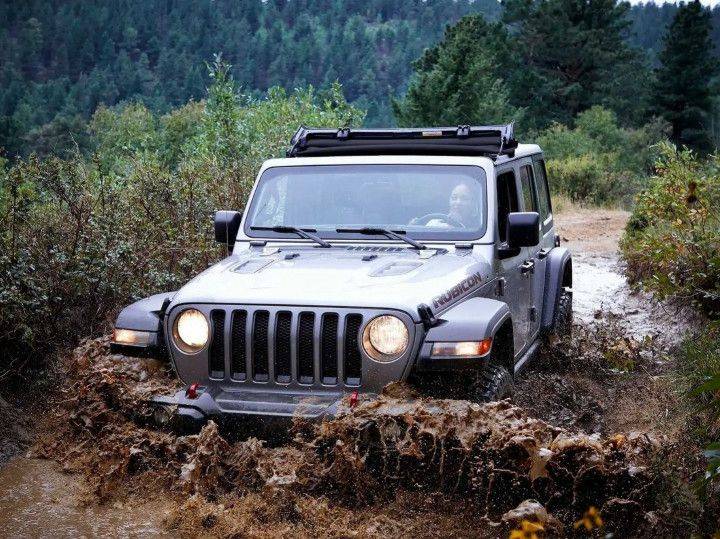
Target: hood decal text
(458,290)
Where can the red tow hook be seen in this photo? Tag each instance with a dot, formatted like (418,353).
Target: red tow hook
(192,391)
(353,399)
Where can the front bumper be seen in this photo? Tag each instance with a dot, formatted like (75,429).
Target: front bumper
(221,404)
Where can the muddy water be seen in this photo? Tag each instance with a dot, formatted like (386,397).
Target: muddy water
(38,500)
(600,286)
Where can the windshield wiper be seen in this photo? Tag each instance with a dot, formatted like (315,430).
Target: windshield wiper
(373,231)
(302,232)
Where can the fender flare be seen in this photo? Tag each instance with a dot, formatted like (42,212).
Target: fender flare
(558,274)
(472,320)
(144,315)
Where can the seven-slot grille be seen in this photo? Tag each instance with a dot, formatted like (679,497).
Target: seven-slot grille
(284,347)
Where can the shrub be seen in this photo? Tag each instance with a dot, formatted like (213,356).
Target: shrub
(699,370)
(80,238)
(598,161)
(588,178)
(672,240)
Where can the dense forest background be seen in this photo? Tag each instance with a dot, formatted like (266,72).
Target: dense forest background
(61,59)
(119,117)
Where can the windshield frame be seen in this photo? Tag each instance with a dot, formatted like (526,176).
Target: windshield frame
(432,236)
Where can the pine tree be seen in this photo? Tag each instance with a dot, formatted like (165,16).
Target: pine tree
(457,81)
(572,51)
(683,92)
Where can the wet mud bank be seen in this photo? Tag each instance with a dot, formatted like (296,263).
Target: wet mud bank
(16,429)
(494,464)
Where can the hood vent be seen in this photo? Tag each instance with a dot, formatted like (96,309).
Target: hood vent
(252,266)
(396,268)
(364,248)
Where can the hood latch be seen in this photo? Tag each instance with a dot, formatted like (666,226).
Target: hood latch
(426,315)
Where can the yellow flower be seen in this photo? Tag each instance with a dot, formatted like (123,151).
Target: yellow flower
(528,530)
(590,520)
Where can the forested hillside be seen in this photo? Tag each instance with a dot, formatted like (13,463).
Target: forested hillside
(63,58)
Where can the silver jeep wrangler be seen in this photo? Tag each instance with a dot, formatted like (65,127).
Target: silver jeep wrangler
(367,256)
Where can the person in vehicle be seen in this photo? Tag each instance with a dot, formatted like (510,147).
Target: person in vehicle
(463,211)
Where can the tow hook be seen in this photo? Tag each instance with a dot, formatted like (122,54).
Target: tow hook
(194,391)
(353,399)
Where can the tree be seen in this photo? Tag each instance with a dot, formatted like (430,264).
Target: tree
(572,51)
(458,80)
(683,90)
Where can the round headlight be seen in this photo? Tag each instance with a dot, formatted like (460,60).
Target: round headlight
(385,338)
(191,331)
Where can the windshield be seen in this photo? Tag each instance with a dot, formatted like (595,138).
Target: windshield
(429,202)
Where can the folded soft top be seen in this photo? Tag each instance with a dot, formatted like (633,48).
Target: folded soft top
(488,141)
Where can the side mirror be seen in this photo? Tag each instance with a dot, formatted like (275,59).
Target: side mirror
(227,224)
(523,229)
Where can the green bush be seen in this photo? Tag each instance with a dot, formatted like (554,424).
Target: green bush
(80,238)
(672,240)
(699,370)
(598,161)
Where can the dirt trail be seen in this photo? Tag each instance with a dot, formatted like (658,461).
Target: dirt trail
(623,337)
(583,430)
(600,287)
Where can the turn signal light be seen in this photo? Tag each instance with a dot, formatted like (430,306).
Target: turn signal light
(132,337)
(462,349)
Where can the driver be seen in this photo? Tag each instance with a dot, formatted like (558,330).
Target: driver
(463,212)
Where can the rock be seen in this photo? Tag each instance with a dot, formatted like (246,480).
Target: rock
(534,512)
(623,517)
(531,510)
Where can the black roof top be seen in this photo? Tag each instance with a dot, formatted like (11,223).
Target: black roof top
(488,141)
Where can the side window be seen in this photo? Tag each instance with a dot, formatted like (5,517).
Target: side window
(526,184)
(543,191)
(507,200)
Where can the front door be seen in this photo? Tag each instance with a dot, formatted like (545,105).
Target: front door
(515,279)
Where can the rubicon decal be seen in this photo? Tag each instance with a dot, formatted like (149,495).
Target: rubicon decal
(460,289)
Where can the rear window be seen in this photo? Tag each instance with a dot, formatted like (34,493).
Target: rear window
(542,191)
(528,192)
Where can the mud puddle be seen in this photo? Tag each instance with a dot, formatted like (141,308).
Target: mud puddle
(600,289)
(38,500)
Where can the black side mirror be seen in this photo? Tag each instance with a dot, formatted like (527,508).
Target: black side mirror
(523,229)
(227,224)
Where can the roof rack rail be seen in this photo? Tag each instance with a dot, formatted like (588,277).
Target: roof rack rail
(487,141)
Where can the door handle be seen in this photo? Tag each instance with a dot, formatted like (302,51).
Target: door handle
(527,266)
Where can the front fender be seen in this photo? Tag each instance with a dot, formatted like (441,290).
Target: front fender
(472,320)
(143,316)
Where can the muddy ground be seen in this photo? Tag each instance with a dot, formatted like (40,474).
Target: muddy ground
(595,430)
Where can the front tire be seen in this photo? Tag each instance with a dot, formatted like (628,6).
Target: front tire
(493,383)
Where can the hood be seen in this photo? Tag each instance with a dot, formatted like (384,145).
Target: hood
(342,276)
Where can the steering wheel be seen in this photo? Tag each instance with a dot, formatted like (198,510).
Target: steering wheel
(425,219)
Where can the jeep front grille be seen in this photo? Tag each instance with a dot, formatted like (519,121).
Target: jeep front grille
(237,345)
(284,347)
(217,350)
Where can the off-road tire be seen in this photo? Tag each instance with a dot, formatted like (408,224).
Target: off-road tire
(493,383)
(562,323)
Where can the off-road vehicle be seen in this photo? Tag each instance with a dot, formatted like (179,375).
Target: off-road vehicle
(367,256)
